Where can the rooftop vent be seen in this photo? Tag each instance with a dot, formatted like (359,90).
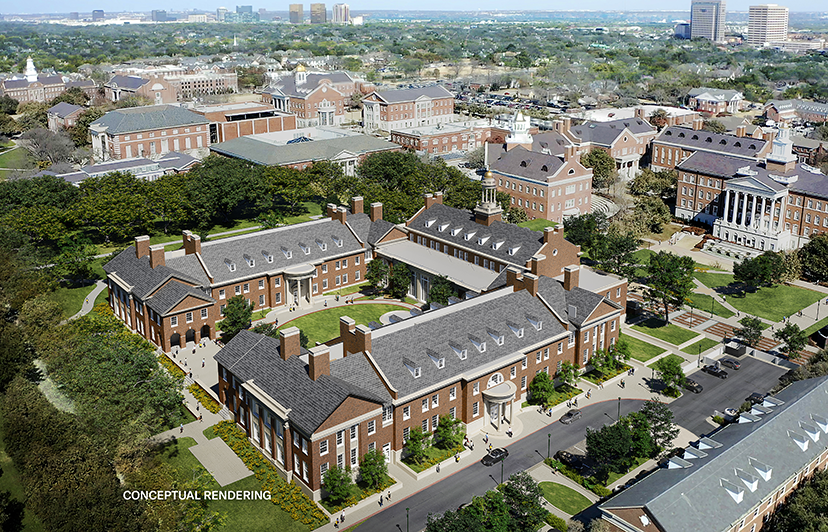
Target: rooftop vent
(544,168)
(738,144)
(733,490)
(572,311)
(681,135)
(707,443)
(694,137)
(762,468)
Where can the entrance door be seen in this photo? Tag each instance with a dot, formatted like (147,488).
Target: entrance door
(386,451)
(494,414)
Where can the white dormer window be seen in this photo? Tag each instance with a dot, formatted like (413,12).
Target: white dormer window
(415,370)
(482,240)
(821,422)
(468,236)
(337,241)
(305,249)
(439,361)
(749,480)
(536,323)
(763,469)
(514,250)
(322,245)
(230,265)
(268,257)
(288,253)
(496,336)
(429,223)
(810,430)
(517,330)
(249,260)
(799,439)
(442,227)
(733,490)
(497,245)
(478,343)
(459,351)
(456,231)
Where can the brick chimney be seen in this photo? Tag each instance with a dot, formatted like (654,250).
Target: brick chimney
(319,361)
(741,131)
(571,276)
(639,113)
(769,135)
(376,211)
(289,342)
(346,329)
(563,124)
(156,254)
(192,243)
(362,335)
(142,246)
(356,205)
(330,210)
(535,263)
(570,152)
(438,197)
(341,215)
(698,123)
(522,280)
(530,283)
(550,234)
(429,200)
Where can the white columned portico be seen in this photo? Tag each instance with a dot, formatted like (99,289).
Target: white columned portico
(762,216)
(744,209)
(726,204)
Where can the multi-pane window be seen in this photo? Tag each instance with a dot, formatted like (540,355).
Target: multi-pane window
(476,388)
(174,321)
(435,401)
(372,427)
(524,363)
(425,425)
(406,432)
(406,412)
(354,432)
(425,405)
(453,412)
(523,382)
(340,438)
(513,372)
(323,447)
(353,456)
(434,422)
(453,393)
(476,409)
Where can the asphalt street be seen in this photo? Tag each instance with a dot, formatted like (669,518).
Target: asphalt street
(477,479)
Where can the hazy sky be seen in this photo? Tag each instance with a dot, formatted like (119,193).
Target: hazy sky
(57,6)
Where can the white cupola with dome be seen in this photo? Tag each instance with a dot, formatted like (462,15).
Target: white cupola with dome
(519,132)
(31,71)
(300,75)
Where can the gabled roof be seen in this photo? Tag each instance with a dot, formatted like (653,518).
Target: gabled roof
(138,273)
(703,495)
(127,82)
(550,142)
(63,109)
(585,303)
(606,133)
(800,106)
(705,140)
(717,95)
(410,95)
(173,293)
(24,83)
(256,151)
(287,84)
(523,163)
(147,118)
(524,242)
(366,230)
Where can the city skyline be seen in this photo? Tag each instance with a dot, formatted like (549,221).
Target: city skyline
(87,6)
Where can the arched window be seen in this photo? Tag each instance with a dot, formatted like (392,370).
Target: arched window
(494,380)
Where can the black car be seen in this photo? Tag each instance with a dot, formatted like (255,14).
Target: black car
(569,417)
(693,386)
(716,371)
(756,398)
(574,461)
(730,363)
(495,456)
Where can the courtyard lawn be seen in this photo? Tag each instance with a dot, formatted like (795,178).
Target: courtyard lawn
(668,332)
(679,359)
(818,325)
(348,290)
(613,477)
(19,158)
(537,225)
(772,303)
(641,350)
(700,347)
(702,302)
(564,498)
(323,325)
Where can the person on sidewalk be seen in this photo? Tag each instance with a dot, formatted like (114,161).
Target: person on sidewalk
(182,429)
(336,524)
(200,418)
(388,497)
(203,361)
(380,501)
(342,517)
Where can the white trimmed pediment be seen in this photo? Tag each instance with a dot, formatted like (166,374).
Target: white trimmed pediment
(749,184)
(344,154)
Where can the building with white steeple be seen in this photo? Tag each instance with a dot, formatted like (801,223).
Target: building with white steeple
(34,87)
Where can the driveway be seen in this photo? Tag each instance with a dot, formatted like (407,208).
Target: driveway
(755,375)
(476,479)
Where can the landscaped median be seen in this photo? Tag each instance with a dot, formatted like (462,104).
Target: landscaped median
(204,398)
(287,495)
(176,372)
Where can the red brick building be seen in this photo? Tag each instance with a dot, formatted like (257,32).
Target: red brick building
(233,120)
(407,108)
(675,144)
(155,88)
(444,137)
(63,115)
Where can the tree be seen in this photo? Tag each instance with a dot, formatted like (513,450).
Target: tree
(714,126)
(7,125)
(621,350)
(541,388)
(567,373)
(669,280)
(814,257)
(523,497)
(441,290)
(514,215)
(750,332)
(806,509)
(79,133)
(661,184)
(337,482)
(659,118)
(794,339)
(399,280)
(113,206)
(8,105)
(167,200)
(487,513)
(219,185)
(374,469)
(604,172)
(765,270)
(602,361)
(585,229)
(33,115)
(670,372)
(47,146)
(662,429)
(641,434)
(237,316)
(73,95)
(376,273)
(417,444)
(652,212)
(449,432)
(615,252)
(610,446)
(475,157)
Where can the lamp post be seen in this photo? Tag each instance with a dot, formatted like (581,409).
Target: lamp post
(406,520)
(501,469)
(712,305)
(619,408)
(548,445)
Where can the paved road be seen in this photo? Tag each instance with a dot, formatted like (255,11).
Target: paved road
(691,409)
(476,479)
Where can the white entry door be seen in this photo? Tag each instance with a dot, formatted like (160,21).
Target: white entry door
(386,451)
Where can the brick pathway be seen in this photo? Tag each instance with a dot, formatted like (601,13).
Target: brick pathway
(684,319)
(724,330)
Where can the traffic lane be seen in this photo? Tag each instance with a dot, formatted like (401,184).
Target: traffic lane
(476,479)
(690,410)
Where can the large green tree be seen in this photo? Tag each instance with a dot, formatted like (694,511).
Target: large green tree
(417,443)
(814,257)
(614,252)
(751,330)
(669,280)
(765,270)
(337,482)
(805,510)
(79,133)
(220,185)
(441,290)
(449,432)
(373,469)
(524,499)
(376,273)
(652,212)
(586,230)
(661,184)
(604,172)
(671,373)
(237,316)
(399,280)
(794,339)
(113,207)
(662,428)
(611,447)
(541,388)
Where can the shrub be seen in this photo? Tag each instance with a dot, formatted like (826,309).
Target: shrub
(204,398)
(719,419)
(746,406)
(171,367)
(556,522)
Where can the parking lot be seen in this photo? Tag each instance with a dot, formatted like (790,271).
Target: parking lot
(691,409)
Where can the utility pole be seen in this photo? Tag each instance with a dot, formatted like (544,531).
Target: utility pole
(548,444)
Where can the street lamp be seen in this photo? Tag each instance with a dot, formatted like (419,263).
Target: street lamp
(548,444)
(406,520)
(501,469)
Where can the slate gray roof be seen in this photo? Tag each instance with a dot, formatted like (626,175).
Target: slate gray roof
(550,140)
(171,294)
(409,95)
(435,331)
(256,151)
(528,241)
(176,161)
(722,95)
(605,133)
(719,142)
(63,109)
(189,266)
(287,84)
(148,118)
(810,183)
(127,82)
(251,356)
(552,291)
(24,83)
(801,106)
(712,164)
(694,498)
(366,230)
(524,163)
(139,274)
(805,142)
(272,241)
(584,301)
(81,84)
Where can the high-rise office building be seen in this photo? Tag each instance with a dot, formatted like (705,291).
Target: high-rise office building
(220,12)
(767,23)
(97,15)
(244,9)
(159,15)
(74,15)
(318,14)
(296,14)
(707,19)
(341,14)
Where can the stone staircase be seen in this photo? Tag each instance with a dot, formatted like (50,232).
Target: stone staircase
(603,205)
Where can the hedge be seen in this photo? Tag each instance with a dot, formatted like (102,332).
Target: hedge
(204,398)
(567,471)
(287,495)
(558,523)
(172,367)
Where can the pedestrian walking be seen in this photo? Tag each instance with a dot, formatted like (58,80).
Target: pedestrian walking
(342,518)
(181,431)
(336,524)
(576,402)
(471,444)
(380,501)
(200,418)
(203,361)
(388,497)
(456,457)
(623,384)
(486,438)
(198,406)
(438,468)
(490,446)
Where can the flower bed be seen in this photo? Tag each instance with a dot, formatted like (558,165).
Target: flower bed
(172,367)
(287,495)
(204,398)
(589,484)
(435,456)
(596,377)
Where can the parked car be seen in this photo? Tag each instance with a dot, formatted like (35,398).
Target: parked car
(731,413)
(716,371)
(495,456)
(569,417)
(693,386)
(756,398)
(730,363)
(574,461)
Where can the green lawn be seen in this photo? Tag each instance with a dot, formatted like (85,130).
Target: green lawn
(10,481)
(818,325)
(671,355)
(71,299)
(102,297)
(772,303)
(668,332)
(641,351)
(433,455)
(210,433)
(537,225)
(19,158)
(704,344)
(612,478)
(323,325)
(348,290)
(702,302)
(564,498)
